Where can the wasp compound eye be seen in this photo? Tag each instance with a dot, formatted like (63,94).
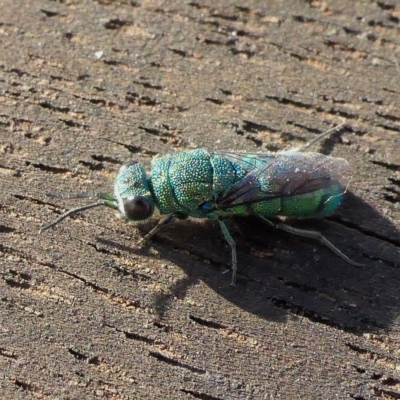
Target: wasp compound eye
(137,208)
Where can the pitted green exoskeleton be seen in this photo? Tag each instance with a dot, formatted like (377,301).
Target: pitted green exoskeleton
(201,183)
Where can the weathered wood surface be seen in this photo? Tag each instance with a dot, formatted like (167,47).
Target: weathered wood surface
(84,312)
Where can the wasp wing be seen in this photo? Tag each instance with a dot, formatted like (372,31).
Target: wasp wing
(285,174)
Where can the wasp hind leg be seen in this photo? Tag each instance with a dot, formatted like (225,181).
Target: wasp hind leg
(313,235)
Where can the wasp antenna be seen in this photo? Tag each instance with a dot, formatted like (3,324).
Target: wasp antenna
(72,212)
(320,136)
(77,195)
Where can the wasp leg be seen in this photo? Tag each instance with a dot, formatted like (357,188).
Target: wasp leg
(232,243)
(163,221)
(313,235)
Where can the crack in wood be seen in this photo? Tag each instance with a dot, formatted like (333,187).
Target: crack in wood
(175,363)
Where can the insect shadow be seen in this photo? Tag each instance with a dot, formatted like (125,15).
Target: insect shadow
(281,273)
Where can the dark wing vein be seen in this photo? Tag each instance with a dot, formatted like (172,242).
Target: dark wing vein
(282,175)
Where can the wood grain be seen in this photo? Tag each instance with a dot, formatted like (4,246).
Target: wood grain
(85,313)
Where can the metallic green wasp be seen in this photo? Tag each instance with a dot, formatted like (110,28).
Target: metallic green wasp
(201,183)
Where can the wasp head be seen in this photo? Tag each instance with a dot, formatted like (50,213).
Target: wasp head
(132,191)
